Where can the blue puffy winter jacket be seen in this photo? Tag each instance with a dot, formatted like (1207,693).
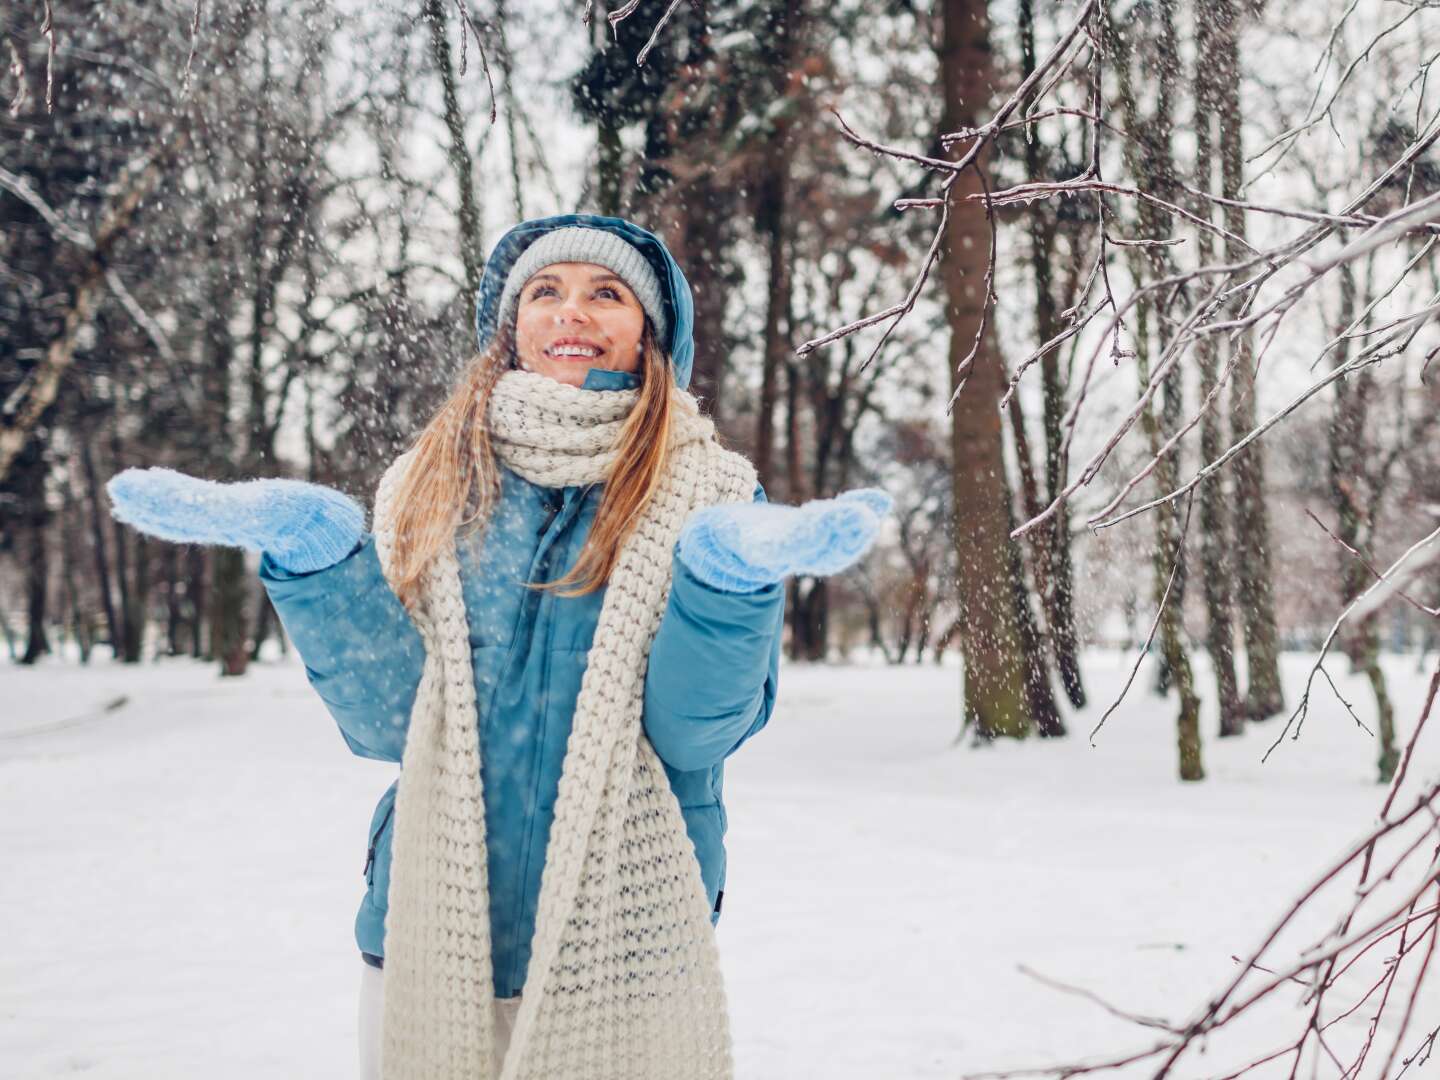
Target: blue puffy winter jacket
(710,683)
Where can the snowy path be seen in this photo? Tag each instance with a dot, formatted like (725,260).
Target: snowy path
(179,873)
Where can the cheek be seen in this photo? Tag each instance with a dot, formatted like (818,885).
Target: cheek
(626,332)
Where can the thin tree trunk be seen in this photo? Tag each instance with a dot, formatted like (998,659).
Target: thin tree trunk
(1038,692)
(37,573)
(1347,471)
(611,167)
(1153,165)
(196,591)
(996,701)
(226,600)
(1265,697)
(80,621)
(98,520)
(773,223)
(776,334)
(1215,540)
(702,249)
(1057,589)
(227,610)
(172,599)
(458,152)
(264,623)
(138,608)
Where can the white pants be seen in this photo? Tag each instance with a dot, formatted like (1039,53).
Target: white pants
(372,1004)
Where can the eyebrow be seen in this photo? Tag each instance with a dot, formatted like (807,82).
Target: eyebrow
(593,279)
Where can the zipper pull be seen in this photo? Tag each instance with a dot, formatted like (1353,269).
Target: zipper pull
(552,508)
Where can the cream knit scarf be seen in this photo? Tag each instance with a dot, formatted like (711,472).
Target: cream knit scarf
(624,979)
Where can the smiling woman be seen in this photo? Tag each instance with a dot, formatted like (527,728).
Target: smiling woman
(524,633)
(577,316)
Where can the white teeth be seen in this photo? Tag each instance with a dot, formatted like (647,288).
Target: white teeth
(573,350)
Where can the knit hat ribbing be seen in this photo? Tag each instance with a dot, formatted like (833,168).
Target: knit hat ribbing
(587,245)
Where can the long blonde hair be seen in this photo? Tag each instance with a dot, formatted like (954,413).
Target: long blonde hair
(454,469)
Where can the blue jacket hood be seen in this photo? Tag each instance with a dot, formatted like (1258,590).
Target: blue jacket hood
(675,290)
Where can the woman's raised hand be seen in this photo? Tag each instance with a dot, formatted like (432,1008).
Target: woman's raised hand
(301,526)
(742,547)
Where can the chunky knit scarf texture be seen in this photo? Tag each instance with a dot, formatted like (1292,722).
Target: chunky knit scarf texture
(624,979)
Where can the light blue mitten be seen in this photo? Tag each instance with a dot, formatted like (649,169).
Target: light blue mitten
(303,527)
(742,547)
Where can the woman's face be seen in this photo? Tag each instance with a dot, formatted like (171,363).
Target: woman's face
(575,316)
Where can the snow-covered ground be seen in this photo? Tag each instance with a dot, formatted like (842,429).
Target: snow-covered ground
(179,870)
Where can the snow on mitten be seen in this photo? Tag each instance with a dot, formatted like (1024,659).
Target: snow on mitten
(742,547)
(301,526)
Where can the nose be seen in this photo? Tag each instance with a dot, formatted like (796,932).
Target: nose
(572,311)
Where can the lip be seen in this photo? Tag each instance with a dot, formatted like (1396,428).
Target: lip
(576,341)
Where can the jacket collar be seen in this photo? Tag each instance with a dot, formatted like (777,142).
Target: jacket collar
(604,379)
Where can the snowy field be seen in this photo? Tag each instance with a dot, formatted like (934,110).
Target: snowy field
(182,859)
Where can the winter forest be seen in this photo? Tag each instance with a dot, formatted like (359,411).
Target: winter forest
(1111,757)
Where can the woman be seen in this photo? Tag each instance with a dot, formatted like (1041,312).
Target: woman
(568,616)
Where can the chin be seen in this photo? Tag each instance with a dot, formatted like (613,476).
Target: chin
(569,374)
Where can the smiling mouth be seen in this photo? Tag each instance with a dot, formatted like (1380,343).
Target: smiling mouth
(574,352)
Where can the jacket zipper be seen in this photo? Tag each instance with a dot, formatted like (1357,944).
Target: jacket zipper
(374,843)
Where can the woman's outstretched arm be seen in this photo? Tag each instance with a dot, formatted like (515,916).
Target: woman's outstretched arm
(361,651)
(714,668)
(715,661)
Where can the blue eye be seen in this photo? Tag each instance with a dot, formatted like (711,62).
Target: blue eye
(540,289)
(614,293)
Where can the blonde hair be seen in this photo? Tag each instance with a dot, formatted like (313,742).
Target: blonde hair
(454,469)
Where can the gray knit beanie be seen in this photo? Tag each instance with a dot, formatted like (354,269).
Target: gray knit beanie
(579,244)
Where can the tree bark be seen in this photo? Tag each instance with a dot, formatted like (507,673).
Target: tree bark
(996,701)
(226,601)
(1153,165)
(1264,697)
(458,152)
(37,573)
(1215,540)
(1347,473)
(772,221)
(98,520)
(1057,586)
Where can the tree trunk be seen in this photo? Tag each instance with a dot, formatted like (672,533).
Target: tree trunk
(37,572)
(196,592)
(227,610)
(996,701)
(458,152)
(1215,541)
(264,623)
(1037,672)
(1152,162)
(809,618)
(776,334)
(172,599)
(1347,472)
(226,599)
(1265,697)
(702,248)
(772,221)
(611,168)
(98,519)
(80,621)
(1058,588)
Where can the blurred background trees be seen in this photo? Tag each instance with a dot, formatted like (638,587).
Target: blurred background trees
(251,249)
